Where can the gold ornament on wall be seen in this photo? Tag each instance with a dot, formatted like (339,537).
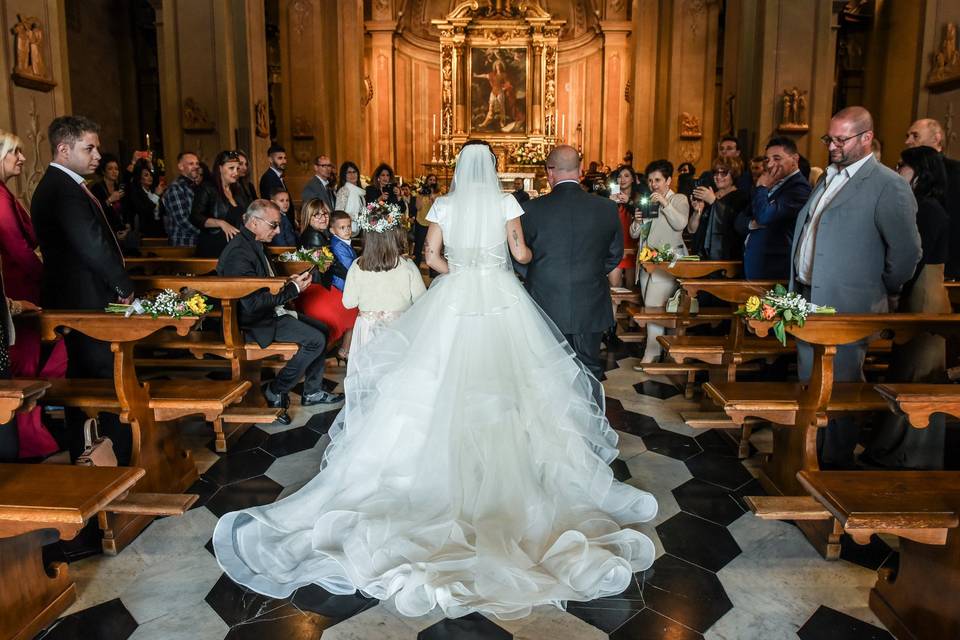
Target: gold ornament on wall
(793,111)
(194,117)
(946,61)
(690,127)
(301,129)
(29,69)
(367,91)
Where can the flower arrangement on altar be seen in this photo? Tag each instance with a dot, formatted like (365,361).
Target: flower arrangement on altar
(165,303)
(321,258)
(418,183)
(781,307)
(378,217)
(659,255)
(529,153)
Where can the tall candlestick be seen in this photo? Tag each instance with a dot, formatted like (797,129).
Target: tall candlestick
(148,142)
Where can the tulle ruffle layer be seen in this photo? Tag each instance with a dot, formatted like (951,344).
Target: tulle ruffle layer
(467,470)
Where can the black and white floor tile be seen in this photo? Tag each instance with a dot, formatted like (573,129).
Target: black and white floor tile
(720,573)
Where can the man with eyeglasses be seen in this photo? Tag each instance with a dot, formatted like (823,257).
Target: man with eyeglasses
(856,243)
(264,318)
(927,132)
(321,184)
(272,179)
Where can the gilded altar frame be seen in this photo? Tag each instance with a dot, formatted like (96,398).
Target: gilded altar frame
(492,25)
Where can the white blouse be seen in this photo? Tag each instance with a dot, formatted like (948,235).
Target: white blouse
(394,290)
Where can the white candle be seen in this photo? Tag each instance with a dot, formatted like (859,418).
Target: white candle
(434,126)
(148,141)
(563,128)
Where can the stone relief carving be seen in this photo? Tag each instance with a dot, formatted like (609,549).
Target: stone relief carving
(946,60)
(690,126)
(262,120)
(367,91)
(194,117)
(29,68)
(695,10)
(301,128)
(690,152)
(36,137)
(300,13)
(793,110)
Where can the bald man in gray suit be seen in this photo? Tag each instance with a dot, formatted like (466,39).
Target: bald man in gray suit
(856,243)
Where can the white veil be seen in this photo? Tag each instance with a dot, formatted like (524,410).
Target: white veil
(475,235)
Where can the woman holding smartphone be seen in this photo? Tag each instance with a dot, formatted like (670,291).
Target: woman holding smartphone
(626,194)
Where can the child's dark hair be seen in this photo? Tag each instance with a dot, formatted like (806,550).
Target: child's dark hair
(381,251)
(339,215)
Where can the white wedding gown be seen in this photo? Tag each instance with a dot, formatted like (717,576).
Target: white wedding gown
(468,468)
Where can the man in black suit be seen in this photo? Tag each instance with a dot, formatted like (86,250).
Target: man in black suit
(263,317)
(929,133)
(519,192)
(83,265)
(576,240)
(272,179)
(321,184)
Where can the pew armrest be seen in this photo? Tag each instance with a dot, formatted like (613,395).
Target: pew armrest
(786,508)
(153,504)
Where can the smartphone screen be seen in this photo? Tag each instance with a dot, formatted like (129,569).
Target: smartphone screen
(615,189)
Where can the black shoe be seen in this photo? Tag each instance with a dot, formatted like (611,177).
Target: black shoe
(284,418)
(277,401)
(320,397)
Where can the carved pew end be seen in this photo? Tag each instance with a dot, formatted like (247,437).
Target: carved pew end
(241,415)
(787,508)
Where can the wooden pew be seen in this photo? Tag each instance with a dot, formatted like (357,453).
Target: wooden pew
(40,504)
(19,396)
(919,401)
(171,265)
(154,242)
(244,358)
(167,251)
(794,446)
(148,408)
(921,598)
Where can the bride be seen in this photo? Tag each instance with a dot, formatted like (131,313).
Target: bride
(468,468)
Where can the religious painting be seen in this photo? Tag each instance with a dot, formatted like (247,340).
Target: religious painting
(498,90)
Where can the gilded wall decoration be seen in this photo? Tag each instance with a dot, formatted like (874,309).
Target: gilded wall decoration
(690,152)
(36,137)
(367,91)
(793,111)
(946,61)
(690,127)
(194,117)
(29,68)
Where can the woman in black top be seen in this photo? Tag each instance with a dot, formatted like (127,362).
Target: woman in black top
(243,178)
(142,202)
(895,444)
(218,208)
(110,192)
(378,190)
(714,211)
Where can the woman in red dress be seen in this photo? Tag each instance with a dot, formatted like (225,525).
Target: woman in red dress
(627,200)
(322,300)
(22,269)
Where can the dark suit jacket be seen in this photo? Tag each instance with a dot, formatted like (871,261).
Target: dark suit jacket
(83,267)
(766,255)
(952,205)
(270,182)
(576,240)
(244,256)
(315,189)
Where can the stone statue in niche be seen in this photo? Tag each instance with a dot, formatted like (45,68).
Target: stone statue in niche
(263,122)
(195,117)
(690,127)
(793,110)
(29,69)
(946,61)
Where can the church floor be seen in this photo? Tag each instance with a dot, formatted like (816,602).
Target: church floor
(720,574)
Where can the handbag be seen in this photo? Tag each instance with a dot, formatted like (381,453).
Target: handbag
(98,451)
(673,303)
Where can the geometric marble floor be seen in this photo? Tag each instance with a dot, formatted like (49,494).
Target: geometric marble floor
(720,573)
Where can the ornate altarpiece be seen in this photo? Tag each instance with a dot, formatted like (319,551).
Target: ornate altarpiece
(513,46)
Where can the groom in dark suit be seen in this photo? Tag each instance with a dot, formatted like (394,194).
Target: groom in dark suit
(83,266)
(576,240)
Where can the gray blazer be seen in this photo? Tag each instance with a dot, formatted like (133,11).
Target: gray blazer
(867,244)
(315,189)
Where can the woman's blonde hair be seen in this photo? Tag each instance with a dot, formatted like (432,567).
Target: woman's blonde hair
(9,142)
(309,209)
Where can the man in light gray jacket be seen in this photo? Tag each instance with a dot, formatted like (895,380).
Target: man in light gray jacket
(856,243)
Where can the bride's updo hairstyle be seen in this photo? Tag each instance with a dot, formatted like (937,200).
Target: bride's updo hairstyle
(482,143)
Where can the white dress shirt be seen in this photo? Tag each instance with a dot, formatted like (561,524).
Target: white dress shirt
(70,172)
(835,180)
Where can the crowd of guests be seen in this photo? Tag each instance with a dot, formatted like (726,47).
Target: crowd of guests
(884,244)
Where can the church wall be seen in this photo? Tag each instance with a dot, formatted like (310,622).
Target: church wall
(25,111)
(942,103)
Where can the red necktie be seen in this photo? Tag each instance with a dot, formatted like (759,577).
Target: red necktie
(104,216)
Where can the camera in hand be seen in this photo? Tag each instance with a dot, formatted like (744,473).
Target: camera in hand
(388,189)
(649,207)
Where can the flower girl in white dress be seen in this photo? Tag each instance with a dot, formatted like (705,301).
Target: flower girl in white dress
(381,282)
(469,468)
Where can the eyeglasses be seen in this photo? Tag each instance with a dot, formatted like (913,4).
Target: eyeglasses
(273,225)
(827,140)
(320,214)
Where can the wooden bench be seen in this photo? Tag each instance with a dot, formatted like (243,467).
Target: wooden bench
(171,265)
(167,252)
(919,599)
(169,468)
(19,396)
(794,446)
(919,401)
